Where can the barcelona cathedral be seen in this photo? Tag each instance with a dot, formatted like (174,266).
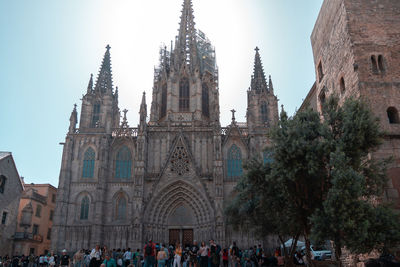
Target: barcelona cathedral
(170,178)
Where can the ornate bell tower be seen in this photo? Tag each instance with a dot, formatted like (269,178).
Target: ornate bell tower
(185,87)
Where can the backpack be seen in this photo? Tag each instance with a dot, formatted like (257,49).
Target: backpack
(148,249)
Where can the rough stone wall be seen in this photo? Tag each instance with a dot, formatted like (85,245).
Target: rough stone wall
(9,201)
(345,37)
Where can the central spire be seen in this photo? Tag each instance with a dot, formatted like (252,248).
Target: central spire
(186,40)
(104,80)
(258,81)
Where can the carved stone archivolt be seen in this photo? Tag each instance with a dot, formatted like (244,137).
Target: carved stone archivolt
(175,195)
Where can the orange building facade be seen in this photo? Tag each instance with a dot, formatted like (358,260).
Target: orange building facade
(35,219)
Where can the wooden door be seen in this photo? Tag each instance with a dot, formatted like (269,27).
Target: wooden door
(187,238)
(174,236)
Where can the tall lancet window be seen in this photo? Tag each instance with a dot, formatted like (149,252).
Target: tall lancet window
(234,162)
(88,163)
(264,112)
(205,100)
(123,163)
(184,94)
(84,208)
(96,115)
(163,111)
(121,208)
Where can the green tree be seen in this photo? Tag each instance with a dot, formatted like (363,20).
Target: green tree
(352,214)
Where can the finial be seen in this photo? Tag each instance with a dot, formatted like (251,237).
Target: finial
(125,111)
(256,49)
(233,114)
(75,107)
(108,47)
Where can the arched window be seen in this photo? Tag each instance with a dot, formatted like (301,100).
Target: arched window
(121,208)
(380,63)
(342,85)
(88,163)
(374,64)
(163,110)
(205,100)
(38,211)
(234,162)
(123,163)
(320,72)
(3,180)
(267,157)
(393,115)
(264,112)
(85,208)
(96,115)
(184,94)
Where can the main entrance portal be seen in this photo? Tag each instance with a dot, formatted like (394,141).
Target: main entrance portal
(183,236)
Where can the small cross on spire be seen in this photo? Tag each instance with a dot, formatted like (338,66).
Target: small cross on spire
(233,114)
(256,49)
(108,47)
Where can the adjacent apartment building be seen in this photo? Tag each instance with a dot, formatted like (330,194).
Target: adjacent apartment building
(10,191)
(35,219)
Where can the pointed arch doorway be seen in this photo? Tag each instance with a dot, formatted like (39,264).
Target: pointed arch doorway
(180,224)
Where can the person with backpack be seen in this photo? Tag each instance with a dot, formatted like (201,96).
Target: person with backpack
(150,254)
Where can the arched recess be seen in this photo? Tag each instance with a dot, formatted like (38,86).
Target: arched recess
(171,197)
(83,200)
(120,206)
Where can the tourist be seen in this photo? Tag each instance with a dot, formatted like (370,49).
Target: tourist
(193,252)
(136,258)
(203,251)
(161,257)
(108,261)
(95,257)
(225,257)
(52,260)
(78,258)
(150,254)
(178,255)
(64,261)
(127,257)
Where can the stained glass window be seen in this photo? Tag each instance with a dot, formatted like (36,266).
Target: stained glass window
(123,163)
(85,208)
(205,100)
(264,112)
(267,157)
(184,94)
(88,163)
(234,162)
(121,208)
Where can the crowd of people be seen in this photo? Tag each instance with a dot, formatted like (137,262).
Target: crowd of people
(153,255)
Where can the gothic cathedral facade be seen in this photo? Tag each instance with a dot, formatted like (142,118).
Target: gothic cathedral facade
(169,178)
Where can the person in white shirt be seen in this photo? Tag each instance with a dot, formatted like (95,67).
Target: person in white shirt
(127,257)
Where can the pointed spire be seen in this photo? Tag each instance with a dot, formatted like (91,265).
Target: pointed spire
(73,119)
(258,81)
(90,85)
(143,113)
(270,85)
(186,40)
(104,80)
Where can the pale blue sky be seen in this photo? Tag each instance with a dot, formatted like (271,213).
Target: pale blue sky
(49,48)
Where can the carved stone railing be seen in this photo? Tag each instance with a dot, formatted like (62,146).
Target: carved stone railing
(125,132)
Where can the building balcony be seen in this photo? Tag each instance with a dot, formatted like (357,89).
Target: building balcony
(22,236)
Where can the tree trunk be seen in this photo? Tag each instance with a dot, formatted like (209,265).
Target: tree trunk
(308,251)
(338,253)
